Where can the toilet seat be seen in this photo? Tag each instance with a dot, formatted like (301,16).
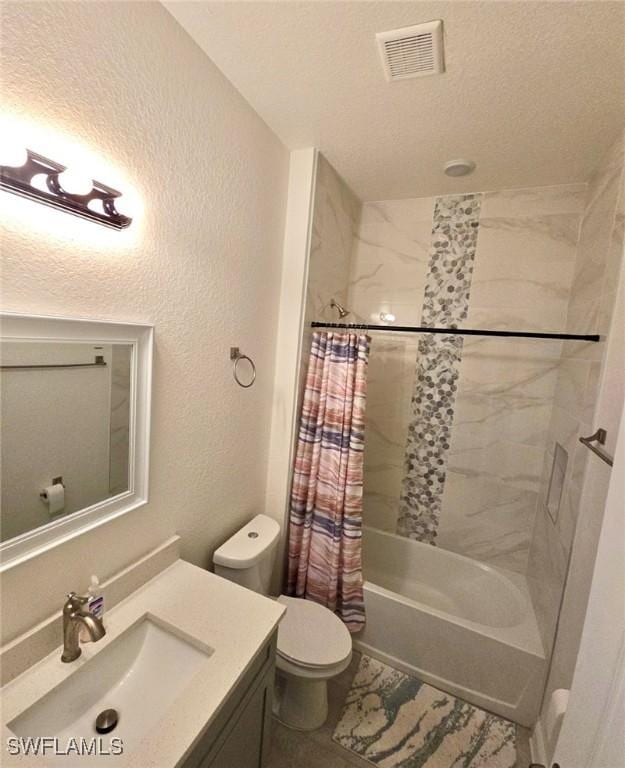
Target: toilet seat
(311,636)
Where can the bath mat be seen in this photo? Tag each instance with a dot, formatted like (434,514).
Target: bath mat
(396,721)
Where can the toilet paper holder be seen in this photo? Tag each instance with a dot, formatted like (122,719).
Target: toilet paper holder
(55,481)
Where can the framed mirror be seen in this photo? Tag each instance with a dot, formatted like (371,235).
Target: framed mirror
(75,424)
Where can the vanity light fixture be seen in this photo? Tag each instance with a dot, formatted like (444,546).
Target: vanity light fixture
(41,179)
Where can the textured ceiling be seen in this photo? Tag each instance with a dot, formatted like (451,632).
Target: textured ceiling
(534,92)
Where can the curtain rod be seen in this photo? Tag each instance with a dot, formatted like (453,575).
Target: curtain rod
(99,362)
(458,331)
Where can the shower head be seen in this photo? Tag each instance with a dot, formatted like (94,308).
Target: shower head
(341,310)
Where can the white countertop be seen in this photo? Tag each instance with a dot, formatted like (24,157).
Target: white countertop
(234,621)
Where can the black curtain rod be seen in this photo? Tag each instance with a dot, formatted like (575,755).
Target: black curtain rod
(458,331)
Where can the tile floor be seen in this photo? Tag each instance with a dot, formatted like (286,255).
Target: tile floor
(293,749)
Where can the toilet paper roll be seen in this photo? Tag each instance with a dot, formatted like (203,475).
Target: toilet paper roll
(54,496)
(555,712)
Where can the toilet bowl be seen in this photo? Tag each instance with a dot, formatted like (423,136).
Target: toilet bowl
(313,644)
(313,647)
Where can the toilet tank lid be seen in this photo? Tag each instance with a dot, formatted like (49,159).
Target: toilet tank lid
(249,545)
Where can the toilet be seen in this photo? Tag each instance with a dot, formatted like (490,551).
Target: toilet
(313,644)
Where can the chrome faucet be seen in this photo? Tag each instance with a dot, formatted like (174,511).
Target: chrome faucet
(75,617)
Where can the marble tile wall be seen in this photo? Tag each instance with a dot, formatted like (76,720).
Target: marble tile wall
(576,398)
(522,276)
(523,269)
(389,269)
(336,215)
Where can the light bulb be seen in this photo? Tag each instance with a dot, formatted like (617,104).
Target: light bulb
(13,156)
(75,183)
(387,317)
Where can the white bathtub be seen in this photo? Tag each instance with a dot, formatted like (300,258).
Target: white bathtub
(458,624)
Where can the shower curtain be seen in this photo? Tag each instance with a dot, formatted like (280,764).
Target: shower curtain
(325,523)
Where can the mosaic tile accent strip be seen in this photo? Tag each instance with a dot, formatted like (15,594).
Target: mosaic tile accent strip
(396,721)
(446,304)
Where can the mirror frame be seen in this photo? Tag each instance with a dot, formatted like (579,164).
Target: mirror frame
(22,327)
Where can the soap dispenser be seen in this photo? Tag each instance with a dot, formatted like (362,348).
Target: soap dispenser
(95,603)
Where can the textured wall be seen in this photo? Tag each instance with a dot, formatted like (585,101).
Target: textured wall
(126,80)
(521,273)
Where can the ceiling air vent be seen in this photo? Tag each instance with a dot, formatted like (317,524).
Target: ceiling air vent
(412,51)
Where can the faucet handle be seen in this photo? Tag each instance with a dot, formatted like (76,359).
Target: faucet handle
(76,601)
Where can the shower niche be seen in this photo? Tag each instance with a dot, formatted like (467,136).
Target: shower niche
(556,482)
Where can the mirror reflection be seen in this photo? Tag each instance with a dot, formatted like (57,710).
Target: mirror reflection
(65,429)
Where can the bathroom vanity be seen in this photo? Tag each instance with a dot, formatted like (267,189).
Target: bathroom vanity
(239,736)
(187,662)
(182,672)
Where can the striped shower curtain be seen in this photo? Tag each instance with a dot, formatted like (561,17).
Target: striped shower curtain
(325,524)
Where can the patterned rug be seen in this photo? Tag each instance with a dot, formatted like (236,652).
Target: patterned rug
(396,721)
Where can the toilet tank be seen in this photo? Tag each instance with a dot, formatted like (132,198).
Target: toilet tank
(247,557)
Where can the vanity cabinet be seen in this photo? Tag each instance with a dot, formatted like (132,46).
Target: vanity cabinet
(239,736)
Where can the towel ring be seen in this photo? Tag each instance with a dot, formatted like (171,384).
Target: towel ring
(236,357)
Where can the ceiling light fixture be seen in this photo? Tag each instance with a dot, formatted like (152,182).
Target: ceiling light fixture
(59,188)
(456,168)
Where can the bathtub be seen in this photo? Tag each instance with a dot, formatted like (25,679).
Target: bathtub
(460,625)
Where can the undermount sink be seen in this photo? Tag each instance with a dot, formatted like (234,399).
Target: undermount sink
(139,674)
